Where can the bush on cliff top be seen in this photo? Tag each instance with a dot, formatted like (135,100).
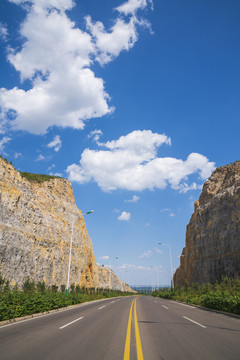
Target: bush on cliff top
(38,177)
(33,177)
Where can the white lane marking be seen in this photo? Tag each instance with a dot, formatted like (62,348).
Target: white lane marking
(113,302)
(101,307)
(71,322)
(194,322)
(164,307)
(190,306)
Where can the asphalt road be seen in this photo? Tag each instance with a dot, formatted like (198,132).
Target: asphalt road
(124,328)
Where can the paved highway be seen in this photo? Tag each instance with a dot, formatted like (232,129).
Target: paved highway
(126,328)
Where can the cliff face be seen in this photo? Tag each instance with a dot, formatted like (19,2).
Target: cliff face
(213,234)
(35,229)
(107,279)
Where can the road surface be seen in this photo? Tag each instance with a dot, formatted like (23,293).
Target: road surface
(124,328)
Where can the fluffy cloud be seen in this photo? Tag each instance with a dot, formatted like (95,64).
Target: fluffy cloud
(17,155)
(135,198)
(56,56)
(56,143)
(3,31)
(131,6)
(40,157)
(3,142)
(95,134)
(146,254)
(125,216)
(131,163)
(121,36)
(138,267)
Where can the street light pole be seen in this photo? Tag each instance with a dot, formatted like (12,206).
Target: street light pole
(170,255)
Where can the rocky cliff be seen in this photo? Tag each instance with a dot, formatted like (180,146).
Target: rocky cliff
(213,235)
(35,228)
(107,279)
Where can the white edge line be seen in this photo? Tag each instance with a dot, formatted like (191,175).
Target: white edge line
(194,322)
(71,322)
(101,307)
(164,307)
(190,306)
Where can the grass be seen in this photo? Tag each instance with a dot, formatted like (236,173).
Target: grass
(40,178)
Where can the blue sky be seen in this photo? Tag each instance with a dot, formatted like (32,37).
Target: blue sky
(134,102)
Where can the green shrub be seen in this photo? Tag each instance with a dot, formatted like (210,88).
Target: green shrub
(224,296)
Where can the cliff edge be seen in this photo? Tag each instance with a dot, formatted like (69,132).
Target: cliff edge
(212,247)
(35,228)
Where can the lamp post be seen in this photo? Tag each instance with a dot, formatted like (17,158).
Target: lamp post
(170,255)
(70,253)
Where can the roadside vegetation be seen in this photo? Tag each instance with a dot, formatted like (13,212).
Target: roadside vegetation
(36,298)
(224,295)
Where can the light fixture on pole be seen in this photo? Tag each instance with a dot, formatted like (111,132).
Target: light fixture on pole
(170,255)
(70,253)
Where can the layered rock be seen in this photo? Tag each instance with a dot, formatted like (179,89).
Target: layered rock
(35,230)
(107,279)
(213,234)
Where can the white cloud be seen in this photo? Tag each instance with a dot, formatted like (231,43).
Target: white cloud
(146,254)
(131,6)
(3,31)
(17,155)
(169,211)
(122,36)
(125,216)
(56,174)
(95,134)
(56,143)
(131,163)
(3,142)
(138,267)
(56,56)
(51,167)
(135,198)
(105,257)
(158,251)
(131,266)
(40,157)
(61,5)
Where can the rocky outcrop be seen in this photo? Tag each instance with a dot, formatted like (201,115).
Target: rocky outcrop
(107,279)
(213,235)
(35,230)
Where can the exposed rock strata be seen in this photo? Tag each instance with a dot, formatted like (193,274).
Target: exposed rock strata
(213,235)
(35,229)
(107,279)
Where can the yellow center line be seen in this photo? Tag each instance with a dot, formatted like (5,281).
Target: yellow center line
(128,337)
(137,334)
